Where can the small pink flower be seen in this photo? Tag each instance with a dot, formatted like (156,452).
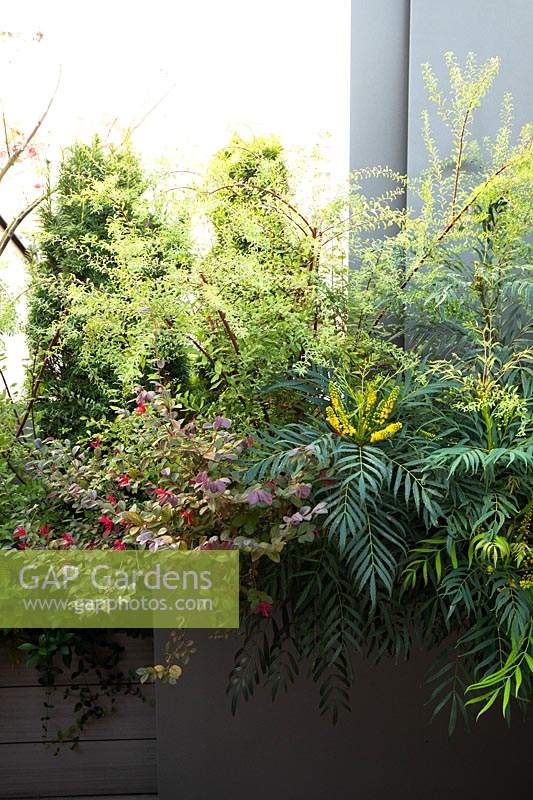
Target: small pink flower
(68,539)
(165,496)
(107,523)
(263,608)
(118,545)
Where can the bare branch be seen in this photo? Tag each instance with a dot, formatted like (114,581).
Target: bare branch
(9,231)
(19,244)
(6,137)
(16,154)
(147,113)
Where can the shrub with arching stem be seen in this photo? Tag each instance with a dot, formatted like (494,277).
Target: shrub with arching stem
(418,460)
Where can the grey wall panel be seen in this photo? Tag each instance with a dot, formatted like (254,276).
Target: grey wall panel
(486,27)
(378,83)
(384,749)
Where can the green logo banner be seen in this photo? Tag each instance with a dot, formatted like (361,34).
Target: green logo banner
(119,589)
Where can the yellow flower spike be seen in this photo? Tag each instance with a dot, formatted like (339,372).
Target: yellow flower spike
(371,398)
(367,402)
(334,395)
(338,407)
(385,433)
(332,419)
(336,415)
(386,407)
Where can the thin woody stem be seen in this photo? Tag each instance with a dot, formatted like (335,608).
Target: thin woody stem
(9,395)
(270,192)
(212,362)
(232,186)
(37,383)
(16,154)
(445,231)
(459,160)
(15,471)
(225,323)
(9,232)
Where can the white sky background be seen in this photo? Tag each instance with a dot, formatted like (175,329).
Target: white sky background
(273,67)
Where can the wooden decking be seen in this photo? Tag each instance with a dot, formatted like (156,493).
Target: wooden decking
(116,759)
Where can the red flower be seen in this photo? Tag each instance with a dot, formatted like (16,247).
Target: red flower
(96,443)
(123,480)
(112,499)
(20,533)
(68,539)
(107,523)
(45,530)
(118,545)
(187,517)
(141,409)
(263,608)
